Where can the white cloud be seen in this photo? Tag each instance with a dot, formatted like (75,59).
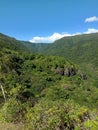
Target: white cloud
(56,36)
(91,19)
(49,39)
(91,30)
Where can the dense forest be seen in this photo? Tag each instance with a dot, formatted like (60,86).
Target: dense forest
(49,86)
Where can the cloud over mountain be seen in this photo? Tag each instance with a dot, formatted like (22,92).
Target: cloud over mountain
(91,30)
(56,36)
(48,39)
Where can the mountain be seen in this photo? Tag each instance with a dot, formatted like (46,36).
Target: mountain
(7,42)
(79,49)
(41,92)
(10,43)
(35,47)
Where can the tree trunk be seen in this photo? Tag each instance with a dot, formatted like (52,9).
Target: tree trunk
(3,93)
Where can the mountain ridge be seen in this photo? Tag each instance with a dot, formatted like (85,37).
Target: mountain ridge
(79,48)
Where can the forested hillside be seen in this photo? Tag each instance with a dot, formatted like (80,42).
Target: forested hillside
(39,92)
(80,48)
(7,42)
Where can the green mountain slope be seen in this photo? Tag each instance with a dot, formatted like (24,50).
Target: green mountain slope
(9,43)
(44,92)
(36,47)
(80,48)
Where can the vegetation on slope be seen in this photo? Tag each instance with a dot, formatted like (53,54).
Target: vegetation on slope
(7,42)
(80,48)
(45,92)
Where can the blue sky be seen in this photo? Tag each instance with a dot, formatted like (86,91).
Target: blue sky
(47,20)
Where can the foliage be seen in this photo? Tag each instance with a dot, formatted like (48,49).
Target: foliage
(46,92)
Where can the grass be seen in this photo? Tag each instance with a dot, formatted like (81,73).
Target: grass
(11,126)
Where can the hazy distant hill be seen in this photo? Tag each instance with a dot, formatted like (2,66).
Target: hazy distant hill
(36,47)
